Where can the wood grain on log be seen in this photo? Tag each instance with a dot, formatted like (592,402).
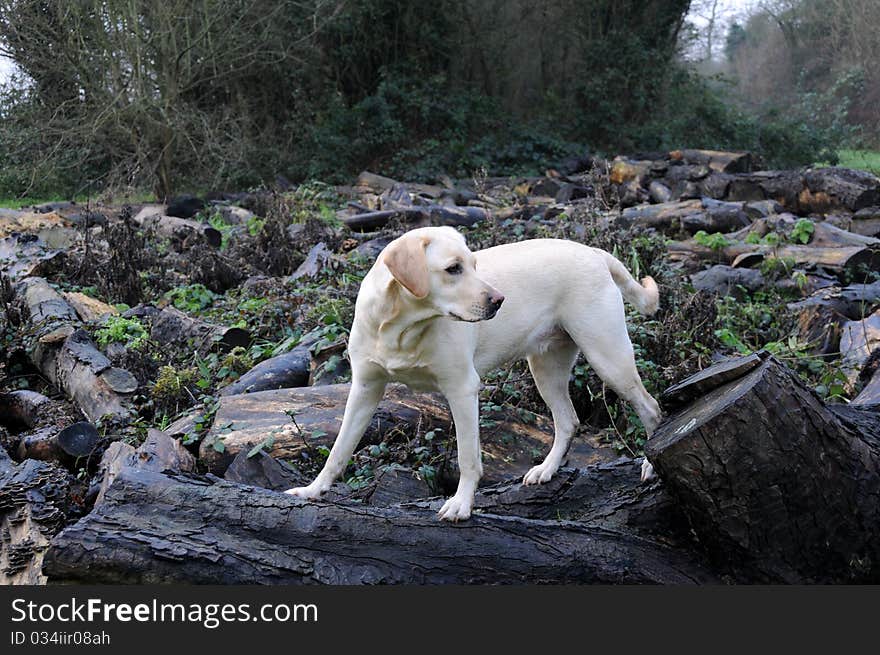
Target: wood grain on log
(33,505)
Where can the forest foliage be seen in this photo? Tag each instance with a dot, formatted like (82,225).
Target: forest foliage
(226,94)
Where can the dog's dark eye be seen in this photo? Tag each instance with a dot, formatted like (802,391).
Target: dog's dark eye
(455,269)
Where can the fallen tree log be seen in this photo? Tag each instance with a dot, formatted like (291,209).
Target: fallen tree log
(608,495)
(870,393)
(281,372)
(858,339)
(417,216)
(172,326)
(723,162)
(821,315)
(183,232)
(24,408)
(688,216)
(159,452)
(38,424)
(844,261)
(155,528)
(293,423)
(777,485)
(65,446)
(815,191)
(68,358)
(25,255)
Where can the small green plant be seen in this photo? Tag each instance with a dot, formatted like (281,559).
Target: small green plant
(173,389)
(191,298)
(753,238)
(252,305)
(771,239)
(225,229)
(775,267)
(714,241)
(255,225)
(803,230)
(128,331)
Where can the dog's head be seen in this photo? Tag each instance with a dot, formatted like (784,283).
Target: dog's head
(434,266)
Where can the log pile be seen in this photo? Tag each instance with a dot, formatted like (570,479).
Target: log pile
(759,480)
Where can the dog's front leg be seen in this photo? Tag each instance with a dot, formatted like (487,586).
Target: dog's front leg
(463,402)
(362,401)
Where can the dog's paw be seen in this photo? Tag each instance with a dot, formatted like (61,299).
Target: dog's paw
(540,474)
(647,471)
(311,492)
(456,509)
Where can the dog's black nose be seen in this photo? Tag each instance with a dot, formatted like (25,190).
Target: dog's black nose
(495,299)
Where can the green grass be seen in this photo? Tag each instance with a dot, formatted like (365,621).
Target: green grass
(18,203)
(136,197)
(866,160)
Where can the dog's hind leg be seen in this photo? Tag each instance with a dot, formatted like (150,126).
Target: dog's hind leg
(551,370)
(609,351)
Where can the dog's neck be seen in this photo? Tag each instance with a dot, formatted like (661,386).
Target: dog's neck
(398,320)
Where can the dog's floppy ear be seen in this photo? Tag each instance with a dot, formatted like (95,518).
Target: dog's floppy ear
(406,260)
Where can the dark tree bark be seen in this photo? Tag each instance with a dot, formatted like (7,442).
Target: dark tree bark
(155,528)
(821,315)
(282,372)
(417,216)
(33,506)
(812,192)
(778,486)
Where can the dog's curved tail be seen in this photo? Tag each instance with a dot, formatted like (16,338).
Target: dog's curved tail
(645,296)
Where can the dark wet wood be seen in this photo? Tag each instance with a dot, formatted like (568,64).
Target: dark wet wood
(155,528)
(777,485)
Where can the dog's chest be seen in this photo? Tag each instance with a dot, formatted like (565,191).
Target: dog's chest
(418,377)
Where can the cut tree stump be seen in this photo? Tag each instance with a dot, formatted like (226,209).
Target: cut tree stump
(777,485)
(156,528)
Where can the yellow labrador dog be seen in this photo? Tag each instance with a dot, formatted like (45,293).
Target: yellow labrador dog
(422,317)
